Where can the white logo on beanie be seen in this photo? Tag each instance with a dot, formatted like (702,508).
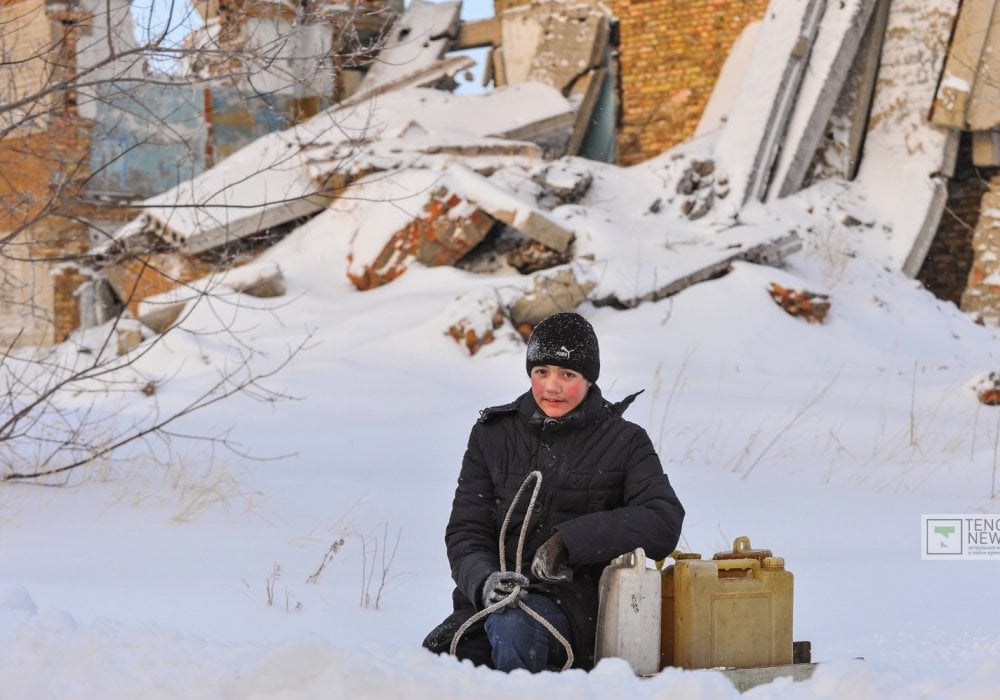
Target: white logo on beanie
(563,353)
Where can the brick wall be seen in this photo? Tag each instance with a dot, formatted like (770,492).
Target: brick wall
(945,271)
(981,297)
(671,53)
(39,175)
(25,33)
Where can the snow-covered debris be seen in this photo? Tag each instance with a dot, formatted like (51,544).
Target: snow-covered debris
(477,320)
(830,59)
(422,127)
(467,181)
(967,93)
(525,216)
(449,214)
(987,388)
(262,185)
(418,39)
(548,293)
(906,159)
(810,306)
(447,227)
(751,137)
(158,312)
(553,43)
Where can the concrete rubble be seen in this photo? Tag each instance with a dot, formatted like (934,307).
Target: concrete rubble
(785,126)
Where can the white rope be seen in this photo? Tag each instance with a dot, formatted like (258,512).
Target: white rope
(513,599)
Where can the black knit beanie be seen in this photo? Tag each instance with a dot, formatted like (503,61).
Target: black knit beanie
(566,340)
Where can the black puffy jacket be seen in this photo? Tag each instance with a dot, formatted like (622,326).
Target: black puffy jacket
(603,489)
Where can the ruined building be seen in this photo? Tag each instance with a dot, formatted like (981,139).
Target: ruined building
(86,129)
(641,77)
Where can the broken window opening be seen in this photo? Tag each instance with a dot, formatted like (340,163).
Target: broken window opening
(162,26)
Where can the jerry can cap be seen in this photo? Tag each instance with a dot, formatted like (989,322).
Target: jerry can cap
(743,550)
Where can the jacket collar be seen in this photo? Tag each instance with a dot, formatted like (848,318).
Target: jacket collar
(592,409)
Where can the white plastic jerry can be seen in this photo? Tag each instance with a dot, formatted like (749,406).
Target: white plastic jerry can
(628,613)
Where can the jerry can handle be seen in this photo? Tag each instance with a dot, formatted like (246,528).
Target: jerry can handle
(726,564)
(741,544)
(635,559)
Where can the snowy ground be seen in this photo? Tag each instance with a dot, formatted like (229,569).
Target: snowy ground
(824,443)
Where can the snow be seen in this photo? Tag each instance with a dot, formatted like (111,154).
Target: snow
(823,442)
(257,573)
(769,81)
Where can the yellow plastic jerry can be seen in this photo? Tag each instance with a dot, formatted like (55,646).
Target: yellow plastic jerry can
(732,611)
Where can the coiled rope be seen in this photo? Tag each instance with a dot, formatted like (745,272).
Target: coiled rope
(513,598)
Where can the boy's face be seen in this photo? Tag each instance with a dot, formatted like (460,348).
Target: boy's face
(557,390)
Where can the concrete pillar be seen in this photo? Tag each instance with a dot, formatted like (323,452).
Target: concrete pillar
(982,295)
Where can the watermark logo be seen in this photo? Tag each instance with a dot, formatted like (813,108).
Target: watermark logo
(965,536)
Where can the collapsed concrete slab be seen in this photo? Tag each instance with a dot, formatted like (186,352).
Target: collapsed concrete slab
(565,45)
(551,43)
(548,293)
(456,211)
(503,206)
(838,153)
(750,139)
(418,39)
(967,94)
(417,126)
(692,265)
(260,186)
(420,76)
(447,228)
(908,151)
(830,60)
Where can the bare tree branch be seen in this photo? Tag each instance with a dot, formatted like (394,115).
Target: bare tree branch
(74,403)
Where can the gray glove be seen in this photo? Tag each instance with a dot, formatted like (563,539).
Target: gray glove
(551,562)
(501,584)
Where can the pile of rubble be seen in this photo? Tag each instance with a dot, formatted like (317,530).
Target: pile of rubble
(494,183)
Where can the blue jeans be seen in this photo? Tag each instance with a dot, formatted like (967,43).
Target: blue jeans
(520,641)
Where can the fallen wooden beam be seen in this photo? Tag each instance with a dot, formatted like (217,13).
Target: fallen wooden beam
(478,34)
(982,113)
(962,67)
